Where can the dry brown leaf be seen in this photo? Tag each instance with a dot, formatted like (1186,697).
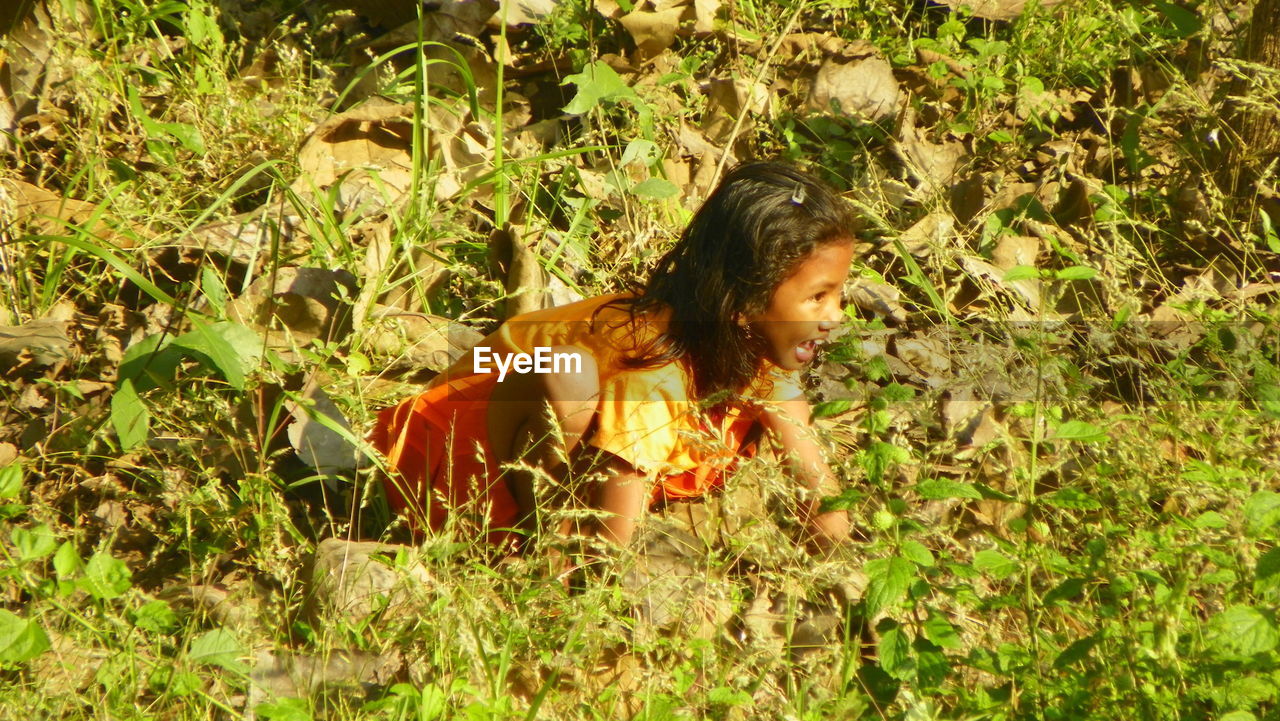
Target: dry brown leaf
(40,342)
(286,674)
(967,198)
(67,667)
(8,454)
(817,46)
(653,32)
(303,304)
(704,13)
(879,298)
(864,89)
(1013,250)
(367,149)
(417,341)
(242,238)
(443,18)
(524,12)
(996,9)
(409,279)
(929,357)
(928,233)
(318,445)
(525,279)
(23,72)
(726,98)
(50,213)
(972,424)
(1025,289)
(933,165)
(611,9)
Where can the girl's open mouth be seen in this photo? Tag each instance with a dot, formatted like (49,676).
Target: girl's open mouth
(806,350)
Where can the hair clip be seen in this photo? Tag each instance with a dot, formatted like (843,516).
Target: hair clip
(797,195)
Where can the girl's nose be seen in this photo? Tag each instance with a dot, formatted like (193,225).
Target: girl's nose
(828,324)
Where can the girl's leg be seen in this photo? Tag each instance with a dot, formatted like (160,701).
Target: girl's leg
(540,419)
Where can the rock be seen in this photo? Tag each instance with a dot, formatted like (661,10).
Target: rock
(675,590)
(282,674)
(352,580)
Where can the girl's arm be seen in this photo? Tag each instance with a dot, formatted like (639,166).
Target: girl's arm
(788,423)
(622,495)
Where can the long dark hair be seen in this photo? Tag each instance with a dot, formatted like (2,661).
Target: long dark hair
(748,237)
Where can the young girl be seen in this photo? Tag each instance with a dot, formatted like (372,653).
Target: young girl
(653,393)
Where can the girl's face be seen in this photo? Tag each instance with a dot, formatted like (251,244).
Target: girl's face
(805,307)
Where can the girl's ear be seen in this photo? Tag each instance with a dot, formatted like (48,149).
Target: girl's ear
(741,320)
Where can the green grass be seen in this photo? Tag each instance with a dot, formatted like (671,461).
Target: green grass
(1108,552)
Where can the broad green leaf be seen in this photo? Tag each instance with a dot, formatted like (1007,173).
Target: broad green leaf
(166,680)
(66,562)
(1000,136)
(597,83)
(932,666)
(1210,519)
(213,289)
(432,704)
(1261,512)
(848,499)
(150,363)
(887,582)
(1021,272)
(11,481)
(1266,387)
(894,653)
(20,639)
(1079,431)
(1241,631)
(915,551)
(995,564)
(156,616)
(881,456)
(285,709)
(34,543)
(725,696)
(1075,652)
(1185,21)
(641,151)
(656,188)
(826,409)
(940,631)
(229,347)
(1238,716)
(936,489)
(188,135)
(1076,272)
(218,647)
(1068,590)
(992,494)
(1071,498)
(129,416)
(1268,565)
(105,577)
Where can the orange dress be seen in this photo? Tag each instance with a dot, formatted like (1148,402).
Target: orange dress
(437,447)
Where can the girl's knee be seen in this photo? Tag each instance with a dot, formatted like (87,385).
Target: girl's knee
(572,388)
(574,380)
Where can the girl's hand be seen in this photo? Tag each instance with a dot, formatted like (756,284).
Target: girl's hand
(788,423)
